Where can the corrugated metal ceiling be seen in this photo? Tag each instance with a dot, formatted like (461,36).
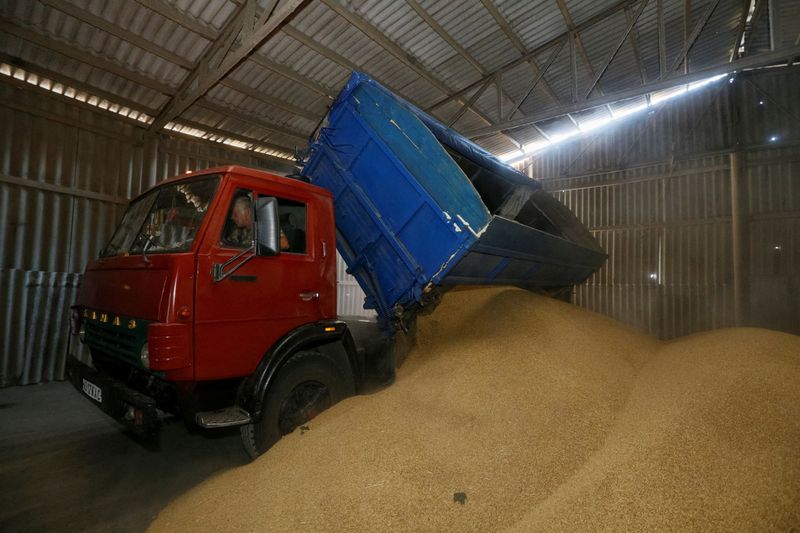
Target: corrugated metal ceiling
(426,50)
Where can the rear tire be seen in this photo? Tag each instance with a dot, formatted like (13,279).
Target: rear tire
(307,384)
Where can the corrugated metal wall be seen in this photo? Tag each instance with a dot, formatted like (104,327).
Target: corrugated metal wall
(774,244)
(656,192)
(350,297)
(66,173)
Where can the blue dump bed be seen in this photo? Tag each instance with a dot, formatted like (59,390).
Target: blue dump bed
(419,207)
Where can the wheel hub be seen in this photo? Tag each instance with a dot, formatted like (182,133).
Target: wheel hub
(306,401)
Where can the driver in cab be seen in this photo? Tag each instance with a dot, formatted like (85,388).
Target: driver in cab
(241,231)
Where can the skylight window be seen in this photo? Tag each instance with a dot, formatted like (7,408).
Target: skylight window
(656,99)
(133,114)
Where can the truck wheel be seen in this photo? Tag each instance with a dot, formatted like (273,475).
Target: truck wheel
(307,384)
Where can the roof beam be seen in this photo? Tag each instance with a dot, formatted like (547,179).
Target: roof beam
(631,24)
(108,27)
(321,49)
(252,119)
(262,97)
(67,118)
(233,136)
(166,10)
(687,15)
(573,67)
(519,45)
(755,61)
(290,74)
(252,30)
(748,45)
(637,53)
(662,39)
(378,37)
(127,120)
(330,55)
(574,122)
(242,155)
(458,114)
(57,77)
(388,45)
(501,70)
(540,76)
(73,52)
(349,65)
(460,50)
(498,83)
(599,17)
(177,16)
(578,43)
(687,46)
(541,132)
(740,28)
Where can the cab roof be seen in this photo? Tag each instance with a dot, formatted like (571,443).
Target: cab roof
(242,171)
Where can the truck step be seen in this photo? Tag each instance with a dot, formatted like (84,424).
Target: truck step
(222,418)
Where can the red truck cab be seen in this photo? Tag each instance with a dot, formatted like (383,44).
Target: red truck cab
(216,300)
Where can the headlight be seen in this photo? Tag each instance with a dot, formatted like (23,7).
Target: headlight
(75,319)
(144,355)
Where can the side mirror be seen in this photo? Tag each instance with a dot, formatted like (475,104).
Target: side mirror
(267,229)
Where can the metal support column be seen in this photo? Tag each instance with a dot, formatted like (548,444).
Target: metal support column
(740,231)
(150,162)
(740,238)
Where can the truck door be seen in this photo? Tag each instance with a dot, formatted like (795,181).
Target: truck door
(239,318)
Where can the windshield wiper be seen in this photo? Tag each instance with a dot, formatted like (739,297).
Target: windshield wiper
(146,245)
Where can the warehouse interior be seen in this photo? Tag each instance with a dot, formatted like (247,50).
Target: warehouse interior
(670,128)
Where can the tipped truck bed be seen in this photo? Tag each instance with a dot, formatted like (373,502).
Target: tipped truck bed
(419,206)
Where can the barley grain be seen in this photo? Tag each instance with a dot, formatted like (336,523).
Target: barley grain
(521,412)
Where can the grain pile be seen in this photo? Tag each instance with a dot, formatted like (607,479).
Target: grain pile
(521,412)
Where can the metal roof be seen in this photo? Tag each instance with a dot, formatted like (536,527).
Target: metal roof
(470,62)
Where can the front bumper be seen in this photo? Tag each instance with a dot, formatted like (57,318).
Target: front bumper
(134,410)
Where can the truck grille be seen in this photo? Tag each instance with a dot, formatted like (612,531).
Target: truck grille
(114,341)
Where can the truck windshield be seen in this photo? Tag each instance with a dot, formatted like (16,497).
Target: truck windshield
(164,220)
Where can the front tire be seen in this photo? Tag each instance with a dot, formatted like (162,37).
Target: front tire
(307,384)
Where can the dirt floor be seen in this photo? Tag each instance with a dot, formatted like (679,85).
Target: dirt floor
(521,412)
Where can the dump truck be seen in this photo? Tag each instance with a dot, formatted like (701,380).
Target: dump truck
(215,298)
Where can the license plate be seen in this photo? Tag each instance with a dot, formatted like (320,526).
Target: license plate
(93,391)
